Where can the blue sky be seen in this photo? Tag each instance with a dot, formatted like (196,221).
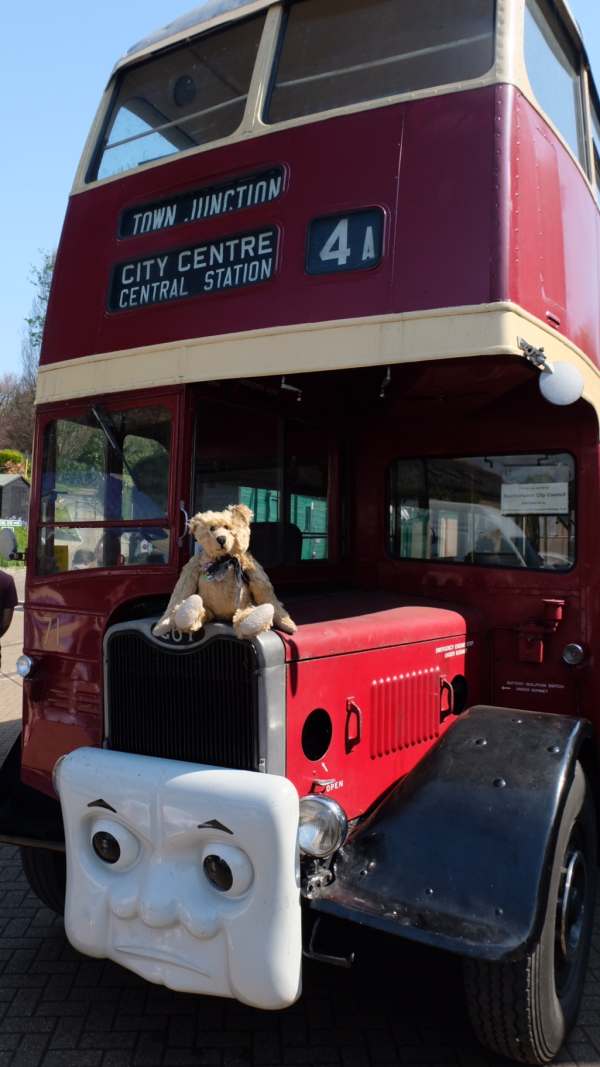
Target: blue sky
(55,58)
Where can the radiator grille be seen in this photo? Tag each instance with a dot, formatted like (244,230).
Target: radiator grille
(198,704)
(405,710)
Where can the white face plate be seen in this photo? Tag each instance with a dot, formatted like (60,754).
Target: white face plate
(155,911)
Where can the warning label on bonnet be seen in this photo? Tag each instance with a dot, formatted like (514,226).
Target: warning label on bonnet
(456,648)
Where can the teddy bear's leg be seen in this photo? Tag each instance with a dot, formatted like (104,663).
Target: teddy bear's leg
(186,586)
(248,622)
(282,621)
(190,615)
(262,593)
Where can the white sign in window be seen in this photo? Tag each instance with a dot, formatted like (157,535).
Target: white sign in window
(541,498)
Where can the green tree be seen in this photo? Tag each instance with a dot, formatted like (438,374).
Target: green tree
(16,414)
(17,393)
(41,278)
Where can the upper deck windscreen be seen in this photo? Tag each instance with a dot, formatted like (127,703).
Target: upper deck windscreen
(332,53)
(190,95)
(341,52)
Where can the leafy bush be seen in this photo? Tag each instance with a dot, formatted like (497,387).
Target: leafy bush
(10,458)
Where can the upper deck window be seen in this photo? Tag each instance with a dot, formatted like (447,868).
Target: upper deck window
(596,140)
(191,95)
(336,53)
(553,72)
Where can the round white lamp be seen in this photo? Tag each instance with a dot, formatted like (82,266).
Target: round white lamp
(562,386)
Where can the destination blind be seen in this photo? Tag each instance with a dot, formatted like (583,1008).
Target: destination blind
(226,263)
(208,202)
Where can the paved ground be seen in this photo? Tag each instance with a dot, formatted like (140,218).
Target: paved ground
(398,1005)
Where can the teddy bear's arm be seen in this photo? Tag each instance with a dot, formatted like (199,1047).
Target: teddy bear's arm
(262,592)
(187,584)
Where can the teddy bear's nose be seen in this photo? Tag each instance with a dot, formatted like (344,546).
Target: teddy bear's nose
(221,541)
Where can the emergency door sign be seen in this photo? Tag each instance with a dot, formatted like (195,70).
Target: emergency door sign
(345,242)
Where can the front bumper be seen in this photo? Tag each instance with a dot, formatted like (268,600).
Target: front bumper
(155,909)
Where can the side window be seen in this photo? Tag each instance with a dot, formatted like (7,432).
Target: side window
(491,511)
(596,140)
(340,52)
(553,72)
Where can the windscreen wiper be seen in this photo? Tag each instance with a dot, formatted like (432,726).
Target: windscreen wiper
(108,429)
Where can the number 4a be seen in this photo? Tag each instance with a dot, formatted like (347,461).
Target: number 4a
(336,246)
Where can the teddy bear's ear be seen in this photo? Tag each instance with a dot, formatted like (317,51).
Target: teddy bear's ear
(194,524)
(240,511)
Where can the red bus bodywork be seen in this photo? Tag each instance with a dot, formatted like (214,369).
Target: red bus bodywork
(482,204)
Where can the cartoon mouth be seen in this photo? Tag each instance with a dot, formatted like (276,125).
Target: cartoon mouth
(159,956)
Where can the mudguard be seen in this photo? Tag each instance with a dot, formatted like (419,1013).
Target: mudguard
(458,855)
(27,817)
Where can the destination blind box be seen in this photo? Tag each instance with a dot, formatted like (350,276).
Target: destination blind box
(211,267)
(207,202)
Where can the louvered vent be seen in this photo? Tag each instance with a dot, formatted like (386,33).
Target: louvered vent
(405,710)
(74,697)
(198,704)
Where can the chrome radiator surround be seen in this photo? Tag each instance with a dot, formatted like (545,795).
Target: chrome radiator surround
(269,677)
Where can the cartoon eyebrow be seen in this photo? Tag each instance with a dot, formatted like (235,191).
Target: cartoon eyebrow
(214,824)
(100,803)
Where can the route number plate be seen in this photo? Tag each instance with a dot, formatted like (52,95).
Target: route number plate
(345,242)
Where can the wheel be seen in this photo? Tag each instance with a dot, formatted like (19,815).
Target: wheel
(46,872)
(523,1010)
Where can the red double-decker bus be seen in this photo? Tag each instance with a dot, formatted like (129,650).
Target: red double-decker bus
(337,261)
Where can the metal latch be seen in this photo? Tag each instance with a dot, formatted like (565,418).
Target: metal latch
(353,732)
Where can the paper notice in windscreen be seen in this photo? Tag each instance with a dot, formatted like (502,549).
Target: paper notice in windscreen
(542,498)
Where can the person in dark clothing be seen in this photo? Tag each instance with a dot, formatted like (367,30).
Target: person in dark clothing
(8,602)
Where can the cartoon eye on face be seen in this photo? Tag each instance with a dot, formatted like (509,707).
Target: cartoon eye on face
(227,869)
(114,844)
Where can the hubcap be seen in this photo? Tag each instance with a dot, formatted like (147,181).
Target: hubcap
(571,907)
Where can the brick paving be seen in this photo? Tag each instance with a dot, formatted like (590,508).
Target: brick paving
(398,1005)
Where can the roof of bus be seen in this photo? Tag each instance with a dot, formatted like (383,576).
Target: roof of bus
(210,12)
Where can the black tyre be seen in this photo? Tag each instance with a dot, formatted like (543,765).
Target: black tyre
(524,1010)
(46,872)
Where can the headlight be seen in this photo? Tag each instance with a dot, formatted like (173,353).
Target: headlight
(24,665)
(323,826)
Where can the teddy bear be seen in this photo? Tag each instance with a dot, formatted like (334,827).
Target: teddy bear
(224,582)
